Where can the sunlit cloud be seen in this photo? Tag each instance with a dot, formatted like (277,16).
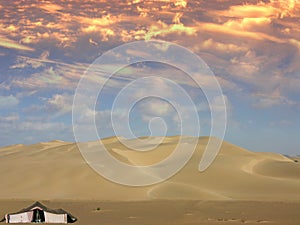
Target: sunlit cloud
(295,43)
(161,29)
(222,47)
(181,3)
(272,9)
(8,43)
(66,28)
(236,29)
(51,7)
(253,47)
(249,11)
(92,42)
(288,8)
(23,62)
(102,21)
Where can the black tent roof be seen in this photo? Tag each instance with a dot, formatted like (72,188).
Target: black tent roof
(71,219)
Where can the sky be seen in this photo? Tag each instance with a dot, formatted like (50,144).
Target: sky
(252,47)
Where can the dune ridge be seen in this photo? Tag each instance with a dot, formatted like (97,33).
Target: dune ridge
(56,170)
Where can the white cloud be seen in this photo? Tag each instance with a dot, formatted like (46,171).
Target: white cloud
(8,101)
(62,103)
(272,99)
(217,104)
(49,78)
(281,123)
(23,62)
(154,107)
(42,126)
(11,118)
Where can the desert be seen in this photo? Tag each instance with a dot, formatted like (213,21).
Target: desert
(240,186)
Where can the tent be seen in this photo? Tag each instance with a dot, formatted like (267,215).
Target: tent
(38,213)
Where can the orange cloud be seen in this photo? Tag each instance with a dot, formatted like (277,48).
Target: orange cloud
(253,11)
(93,42)
(65,26)
(102,21)
(211,44)
(248,24)
(272,9)
(235,28)
(288,8)
(133,2)
(177,18)
(7,43)
(50,7)
(295,43)
(163,29)
(181,3)
(146,20)
(143,11)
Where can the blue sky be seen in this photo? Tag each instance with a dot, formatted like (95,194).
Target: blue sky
(253,48)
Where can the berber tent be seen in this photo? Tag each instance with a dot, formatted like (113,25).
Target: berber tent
(38,213)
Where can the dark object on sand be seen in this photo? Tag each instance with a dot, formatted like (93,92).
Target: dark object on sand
(38,213)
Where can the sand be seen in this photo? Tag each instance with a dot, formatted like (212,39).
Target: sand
(162,212)
(239,187)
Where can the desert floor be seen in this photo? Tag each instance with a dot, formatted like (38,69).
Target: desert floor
(171,212)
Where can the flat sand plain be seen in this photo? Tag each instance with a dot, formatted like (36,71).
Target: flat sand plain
(179,212)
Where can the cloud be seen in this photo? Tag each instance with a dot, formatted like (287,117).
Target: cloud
(8,43)
(93,42)
(295,42)
(23,62)
(250,11)
(61,103)
(217,104)
(103,33)
(11,118)
(227,48)
(181,3)
(252,47)
(271,9)
(239,28)
(43,126)
(281,123)
(153,107)
(161,29)
(44,80)
(50,7)
(53,75)
(274,98)
(8,101)
(264,80)
(246,66)
(288,8)
(65,26)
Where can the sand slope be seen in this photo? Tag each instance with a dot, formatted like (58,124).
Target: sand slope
(56,170)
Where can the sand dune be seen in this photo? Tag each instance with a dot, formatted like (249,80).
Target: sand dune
(56,170)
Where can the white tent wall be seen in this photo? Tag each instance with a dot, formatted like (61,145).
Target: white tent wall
(25,217)
(55,218)
(47,215)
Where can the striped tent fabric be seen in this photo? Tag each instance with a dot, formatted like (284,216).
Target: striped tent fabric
(38,213)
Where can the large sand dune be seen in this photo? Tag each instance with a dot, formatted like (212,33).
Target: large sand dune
(56,170)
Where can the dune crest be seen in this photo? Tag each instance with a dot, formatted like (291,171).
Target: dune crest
(56,170)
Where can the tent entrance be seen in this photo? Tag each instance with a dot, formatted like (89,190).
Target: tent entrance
(38,216)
